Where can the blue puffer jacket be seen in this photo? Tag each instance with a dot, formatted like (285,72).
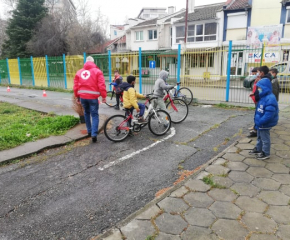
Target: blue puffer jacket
(267,110)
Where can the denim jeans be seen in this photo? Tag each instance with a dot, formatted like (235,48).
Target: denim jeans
(264,141)
(91,107)
(142,109)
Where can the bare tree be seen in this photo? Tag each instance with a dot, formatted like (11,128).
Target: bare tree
(10,6)
(3,26)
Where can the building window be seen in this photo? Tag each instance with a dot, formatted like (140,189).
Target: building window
(201,60)
(198,32)
(180,31)
(139,36)
(152,34)
(115,32)
(288,16)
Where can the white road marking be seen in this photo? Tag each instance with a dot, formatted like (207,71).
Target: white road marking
(173,132)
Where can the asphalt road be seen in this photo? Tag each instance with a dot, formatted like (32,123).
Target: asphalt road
(63,194)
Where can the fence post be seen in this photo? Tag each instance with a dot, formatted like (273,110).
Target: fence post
(140,70)
(64,71)
(32,71)
(229,71)
(85,57)
(47,71)
(19,69)
(110,74)
(178,65)
(262,56)
(8,71)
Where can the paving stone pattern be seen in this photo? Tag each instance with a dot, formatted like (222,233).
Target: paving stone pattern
(251,199)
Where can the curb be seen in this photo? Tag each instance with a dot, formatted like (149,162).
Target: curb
(161,197)
(51,144)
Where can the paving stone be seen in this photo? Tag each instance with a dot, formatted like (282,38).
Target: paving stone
(224,195)
(245,140)
(202,174)
(219,161)
(245,189)
(232,150)
(283,132)
(199,200)
(277,168)
(240,177)
(116,235)
(229,229)
(251,204)
(274,159)
(274,198)
(280,147)
(253,162)
(286,163)
(170,224)
(217,170)
(223,181)
(283,154)
(197,186)
(245,146)
(199,217)
(179,192)
(164,236)
(287,143)
(175,205)
(284,231)
(225,210)
(266,184)
(198,233)
(233,157)
(285,189)
(281,214)
(149,213)
(282,178)
(276,140)
(257,222)
(237,166)
(259,172)
(245,154)
(138,229)
(256,236)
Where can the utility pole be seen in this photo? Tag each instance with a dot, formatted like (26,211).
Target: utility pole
(186,15)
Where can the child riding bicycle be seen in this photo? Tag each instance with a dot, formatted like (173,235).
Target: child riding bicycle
(159,87)
(130,98)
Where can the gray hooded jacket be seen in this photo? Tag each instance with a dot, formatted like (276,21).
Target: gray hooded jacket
(160,84)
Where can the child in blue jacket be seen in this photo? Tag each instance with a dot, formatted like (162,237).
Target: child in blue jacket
(266,117)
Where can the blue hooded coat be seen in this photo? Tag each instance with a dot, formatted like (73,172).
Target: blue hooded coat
(266,115)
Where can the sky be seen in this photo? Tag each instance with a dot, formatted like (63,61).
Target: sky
(118,10)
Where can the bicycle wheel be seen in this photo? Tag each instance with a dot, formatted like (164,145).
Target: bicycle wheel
(185,94)
(116,128)
(159,122)
(178,110)
(111,99)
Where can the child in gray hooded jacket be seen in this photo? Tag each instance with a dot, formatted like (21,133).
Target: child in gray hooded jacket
(159,87)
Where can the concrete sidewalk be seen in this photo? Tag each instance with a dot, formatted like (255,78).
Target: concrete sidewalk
(233,197)
(22,98)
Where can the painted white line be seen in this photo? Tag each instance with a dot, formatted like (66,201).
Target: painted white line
(173,132)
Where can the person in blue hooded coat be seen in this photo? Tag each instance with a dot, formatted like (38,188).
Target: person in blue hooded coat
(266,117)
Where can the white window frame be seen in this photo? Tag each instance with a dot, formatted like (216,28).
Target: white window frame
(153,31)
(202,35)
(138,36)
(287,14)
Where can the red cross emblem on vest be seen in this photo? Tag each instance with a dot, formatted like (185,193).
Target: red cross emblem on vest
(85,74)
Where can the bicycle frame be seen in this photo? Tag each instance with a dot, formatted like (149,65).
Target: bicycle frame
(121,125)
(167,96)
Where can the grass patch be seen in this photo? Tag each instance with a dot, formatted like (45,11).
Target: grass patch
(208,180)
(150,238)
(20,125)
(228,106)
